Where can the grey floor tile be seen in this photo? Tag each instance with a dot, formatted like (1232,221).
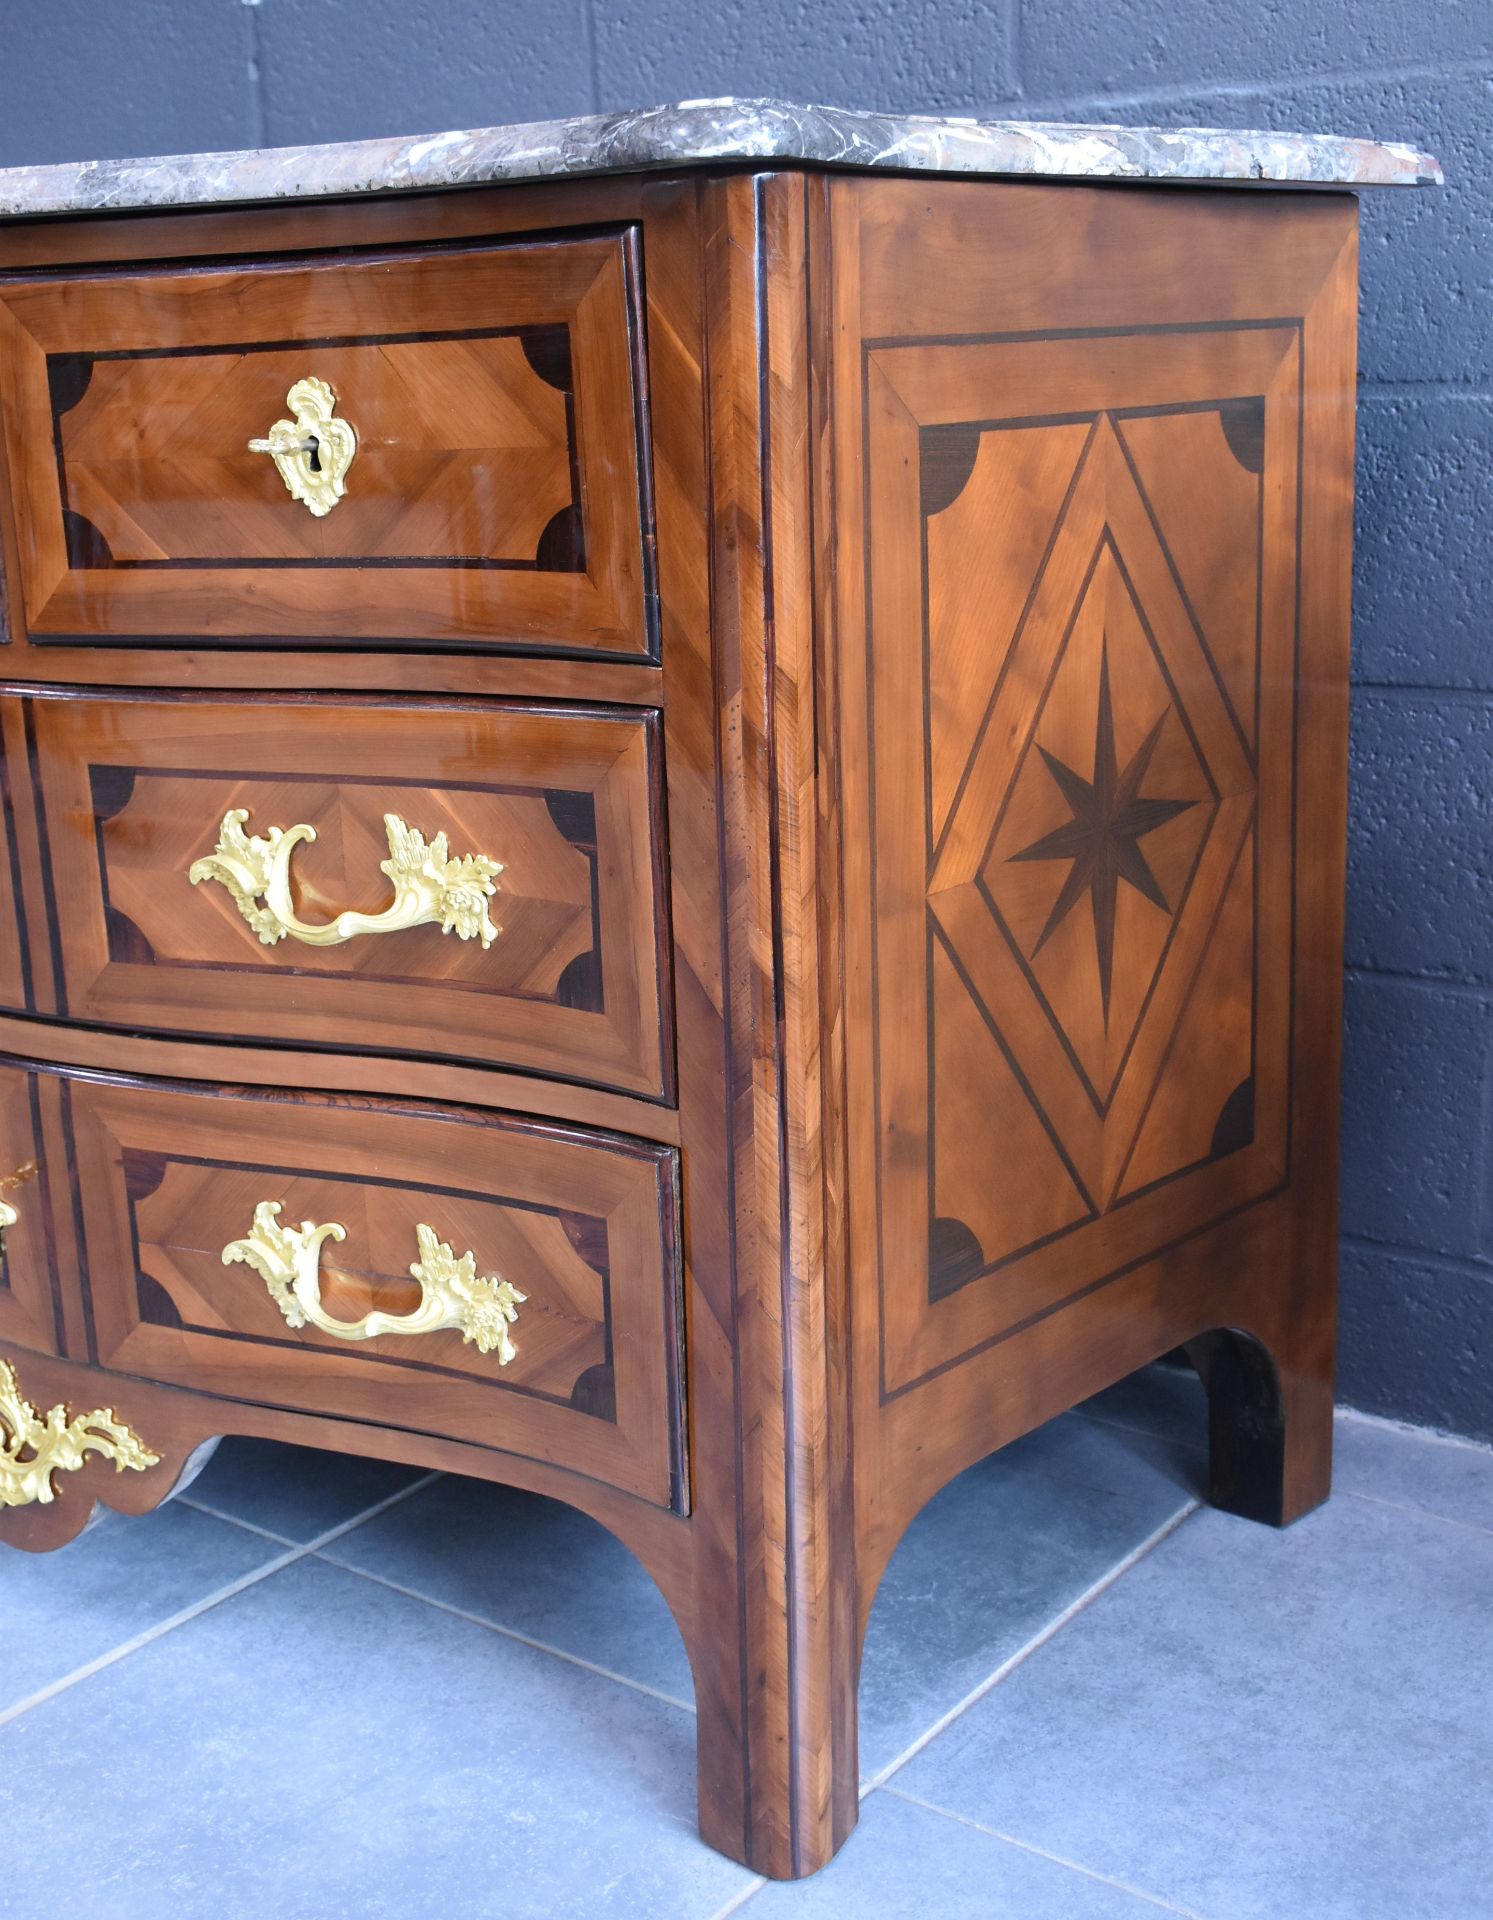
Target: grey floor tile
(997,1556)
(321,1747)
(1257,1724)
(994,1558)
(124,1575)
(1405,1465)
(904,1860)
(1452,1478)
(533,1565)
(295,1492)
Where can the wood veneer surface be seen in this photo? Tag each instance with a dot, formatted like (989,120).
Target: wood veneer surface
(990,766)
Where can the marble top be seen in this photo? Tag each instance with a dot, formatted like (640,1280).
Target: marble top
(714,132)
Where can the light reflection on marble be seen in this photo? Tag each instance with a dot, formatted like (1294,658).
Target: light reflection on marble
(703,132)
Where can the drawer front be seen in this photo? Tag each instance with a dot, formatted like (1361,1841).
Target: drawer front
(531,939)
(489,401)
(557,1339)
(15,969)
(30,1308)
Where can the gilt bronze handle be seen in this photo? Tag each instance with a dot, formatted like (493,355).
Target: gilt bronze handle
(430,887)
(453,1295)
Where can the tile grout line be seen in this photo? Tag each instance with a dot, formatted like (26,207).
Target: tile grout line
(257,103)
(1034,1645)
(739,1900)
(878,1781)
(1011,64)
(1418,1513)
(208,1602)
(512,1633)
(1396,1429)
(232,1520)
(1338,1492)
(1057,1859)
(593,52)
(1351,1416)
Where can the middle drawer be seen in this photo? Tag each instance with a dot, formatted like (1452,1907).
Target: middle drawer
(464,880)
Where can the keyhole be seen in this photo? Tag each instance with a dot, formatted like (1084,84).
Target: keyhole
(313,450)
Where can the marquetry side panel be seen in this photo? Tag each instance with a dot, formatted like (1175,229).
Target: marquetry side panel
(1090,1026)
(1090,788)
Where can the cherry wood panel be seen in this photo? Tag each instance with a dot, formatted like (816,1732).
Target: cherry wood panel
(168,1175)
(708,513)
(63,1043)
(133,791)
(1086,910)
(1092,457)
(505,676)
(497,495)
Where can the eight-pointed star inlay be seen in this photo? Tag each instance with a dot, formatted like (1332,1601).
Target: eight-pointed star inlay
(1102,839)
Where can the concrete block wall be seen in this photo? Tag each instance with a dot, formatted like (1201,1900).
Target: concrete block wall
(85,78)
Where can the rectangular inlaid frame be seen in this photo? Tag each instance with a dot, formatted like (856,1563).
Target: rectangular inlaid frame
(420,1157)
(179,763)
(928,895)
(594,593)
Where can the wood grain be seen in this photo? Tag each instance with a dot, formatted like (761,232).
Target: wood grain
(496,495)
(65,1044)
(30,1298)
(1091,656)
(134,791)
(976,859)
(168,1174)
(1084,930)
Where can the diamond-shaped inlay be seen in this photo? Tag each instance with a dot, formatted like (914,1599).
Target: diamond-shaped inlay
(1109,816)
(1104,808)
(1092,934)
(1080,844)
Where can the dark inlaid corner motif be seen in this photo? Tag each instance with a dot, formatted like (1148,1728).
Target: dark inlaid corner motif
(91,393)
(1107,764)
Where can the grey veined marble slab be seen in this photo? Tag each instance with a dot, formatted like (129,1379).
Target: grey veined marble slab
(712,132)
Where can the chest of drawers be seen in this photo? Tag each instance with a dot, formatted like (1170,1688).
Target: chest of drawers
(675,837)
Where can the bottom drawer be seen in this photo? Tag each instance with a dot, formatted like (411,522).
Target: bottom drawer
(260,1245)
(30,1310)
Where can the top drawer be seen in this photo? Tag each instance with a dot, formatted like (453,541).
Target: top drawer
(495,493)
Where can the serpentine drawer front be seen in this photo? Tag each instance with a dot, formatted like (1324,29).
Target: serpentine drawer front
(183,900)
(470,416)
(560,1342)
(30,1304)
(676,838)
